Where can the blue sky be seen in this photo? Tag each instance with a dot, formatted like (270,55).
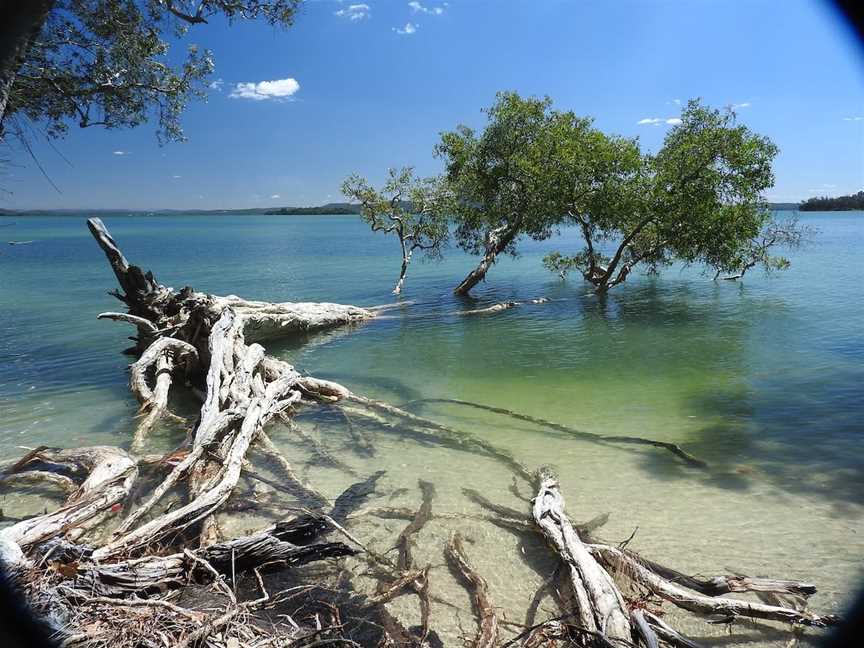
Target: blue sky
(362,86)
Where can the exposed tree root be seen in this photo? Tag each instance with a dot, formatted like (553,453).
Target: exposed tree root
(487,633)
(599,605)
(671,447)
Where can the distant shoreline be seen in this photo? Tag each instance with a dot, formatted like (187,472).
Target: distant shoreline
(333,209)
(330,209)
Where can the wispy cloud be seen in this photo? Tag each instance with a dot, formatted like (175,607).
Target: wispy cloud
(275,197)
(121,153)
(176,177)
(823,188)
(217,85)
(416,7)
(856,118)
(354,12)
(677,102)
(277,89)
(658,121)
(743,104)
(407,30)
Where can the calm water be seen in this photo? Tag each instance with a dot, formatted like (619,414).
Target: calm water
(763,379)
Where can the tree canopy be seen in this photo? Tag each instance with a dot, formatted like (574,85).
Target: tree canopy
(534,169)
(107,62)
(497,185)
(697,200)
(406,206)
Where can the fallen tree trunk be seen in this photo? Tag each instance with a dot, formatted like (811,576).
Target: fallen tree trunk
(502,306)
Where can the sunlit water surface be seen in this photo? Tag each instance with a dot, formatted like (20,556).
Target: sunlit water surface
(762,379)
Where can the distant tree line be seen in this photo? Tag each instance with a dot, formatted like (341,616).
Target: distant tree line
(840,203)
(535,169)
(330,209)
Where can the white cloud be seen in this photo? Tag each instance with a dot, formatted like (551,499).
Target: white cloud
(275,196)
(416,7)
(278,89)
(354,12)
(677,102)
(657,121)
(176,177)
(743,104)
(407,30)
(121,152)
(217,85)
(856,118)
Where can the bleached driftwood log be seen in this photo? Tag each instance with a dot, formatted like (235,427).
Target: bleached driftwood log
(158,310)
(110,475)
(601,609)
(598,602)
(502,306)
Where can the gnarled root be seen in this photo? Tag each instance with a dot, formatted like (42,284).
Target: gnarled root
(674,448)
(163,355)
(487,633)
(110,474)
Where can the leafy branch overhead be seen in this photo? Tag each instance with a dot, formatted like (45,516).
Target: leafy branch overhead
(406,206)
(108,62)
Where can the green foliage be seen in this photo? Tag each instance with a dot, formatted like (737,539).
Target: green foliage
(533,169)
(406,206)
(840,203)
(698,200)
(107,63)
(496,184)
(563,265)
(785,234)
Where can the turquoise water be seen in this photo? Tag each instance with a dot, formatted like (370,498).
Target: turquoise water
(762,379)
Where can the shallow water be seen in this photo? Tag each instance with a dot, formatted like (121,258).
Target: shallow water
(762,379)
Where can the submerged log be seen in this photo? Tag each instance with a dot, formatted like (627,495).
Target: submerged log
(674,448)
(497,308)
(487,633)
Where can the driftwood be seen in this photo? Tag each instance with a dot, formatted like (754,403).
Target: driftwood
(497,308)
(599,605)
(139,579)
